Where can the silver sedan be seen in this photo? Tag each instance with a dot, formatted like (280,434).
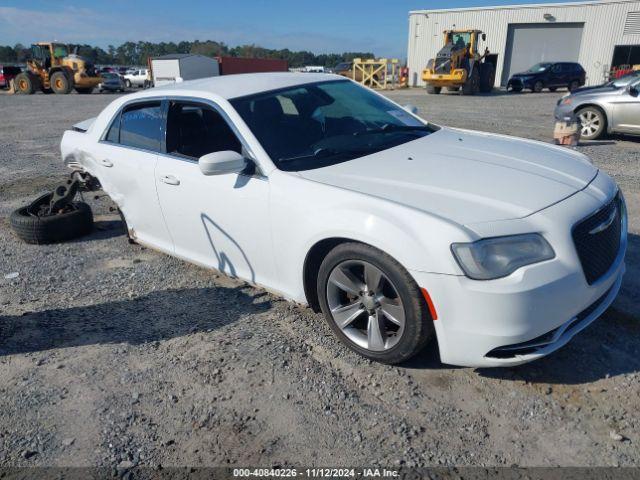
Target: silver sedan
(609,109)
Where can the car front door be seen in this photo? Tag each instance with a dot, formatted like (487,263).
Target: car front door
(125,161)
(219,221)
(626,110)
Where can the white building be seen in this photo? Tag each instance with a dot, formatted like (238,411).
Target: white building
(597,34)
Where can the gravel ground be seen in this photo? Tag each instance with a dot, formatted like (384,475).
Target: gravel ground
(115,355)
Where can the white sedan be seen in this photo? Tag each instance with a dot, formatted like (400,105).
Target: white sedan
(398,230)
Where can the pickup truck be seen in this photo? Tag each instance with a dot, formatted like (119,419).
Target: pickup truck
(135,78)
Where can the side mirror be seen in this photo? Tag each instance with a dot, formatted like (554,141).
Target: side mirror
(484,37)
(411,108)
(632,90)
(220,163)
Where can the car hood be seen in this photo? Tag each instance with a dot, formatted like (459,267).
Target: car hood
(467,177)
(581,92)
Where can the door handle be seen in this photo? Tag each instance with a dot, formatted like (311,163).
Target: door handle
(105,162)
(169,180)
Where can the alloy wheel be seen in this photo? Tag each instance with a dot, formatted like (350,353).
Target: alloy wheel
(365,305)
(590,123)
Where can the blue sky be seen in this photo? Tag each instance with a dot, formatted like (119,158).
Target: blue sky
(320,26)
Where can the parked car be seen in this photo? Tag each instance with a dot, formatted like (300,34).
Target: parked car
(397,229)
(8,73)
(551,75)
(620,82)
(135,78)
(111,82)
(604,110)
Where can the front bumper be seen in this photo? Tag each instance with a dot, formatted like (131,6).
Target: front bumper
(517,83)
(458,76)
(534,311)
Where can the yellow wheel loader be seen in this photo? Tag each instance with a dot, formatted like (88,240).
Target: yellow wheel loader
(459,66)
(52,68)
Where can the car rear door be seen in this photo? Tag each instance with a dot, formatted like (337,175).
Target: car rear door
(219,221)
(126,159)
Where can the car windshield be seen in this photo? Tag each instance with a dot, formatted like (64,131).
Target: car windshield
(323,123)
(343,66)
(539,67)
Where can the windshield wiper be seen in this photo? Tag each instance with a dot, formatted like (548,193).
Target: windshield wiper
(319,153)
(387,128)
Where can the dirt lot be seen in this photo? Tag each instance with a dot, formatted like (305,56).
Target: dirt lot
(112,354)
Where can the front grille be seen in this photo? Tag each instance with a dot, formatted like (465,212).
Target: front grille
(597,239)
(443,65)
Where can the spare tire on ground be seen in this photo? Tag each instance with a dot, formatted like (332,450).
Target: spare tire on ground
(32,226)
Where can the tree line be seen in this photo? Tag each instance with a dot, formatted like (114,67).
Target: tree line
(137,53)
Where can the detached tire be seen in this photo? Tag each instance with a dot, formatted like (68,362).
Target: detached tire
(52,229)
(373,304)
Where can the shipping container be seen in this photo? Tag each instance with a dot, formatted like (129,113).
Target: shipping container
(233,65)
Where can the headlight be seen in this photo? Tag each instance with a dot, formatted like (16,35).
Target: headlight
(501,256)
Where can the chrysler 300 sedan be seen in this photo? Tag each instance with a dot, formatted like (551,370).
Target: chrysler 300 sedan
(400,231)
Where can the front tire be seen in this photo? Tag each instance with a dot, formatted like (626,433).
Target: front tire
(592,122)
(431,90)
(372,304)
(60,83)
(538,86)
(127,83)
(472,85)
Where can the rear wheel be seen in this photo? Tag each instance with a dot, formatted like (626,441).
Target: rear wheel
(372,303)
(433,90)
(127,83)
(24,84)
(60,83)
(573,85)
(592,122)
(538,86)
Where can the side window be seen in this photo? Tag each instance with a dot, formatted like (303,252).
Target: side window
(140,126)
(193,130)
(113,135)
(556,68)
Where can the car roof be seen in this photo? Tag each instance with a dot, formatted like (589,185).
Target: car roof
(240,85)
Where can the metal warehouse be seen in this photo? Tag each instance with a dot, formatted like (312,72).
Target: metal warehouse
(600,35)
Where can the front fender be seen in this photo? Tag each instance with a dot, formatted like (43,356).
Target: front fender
(417,240)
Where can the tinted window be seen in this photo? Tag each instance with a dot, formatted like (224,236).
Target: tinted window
(193,130)
(114,131)
(140,126)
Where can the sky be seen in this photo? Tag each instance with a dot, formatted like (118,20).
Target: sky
(323,26)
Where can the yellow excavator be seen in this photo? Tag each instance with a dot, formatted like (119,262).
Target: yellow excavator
(459,65)
(53,68)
